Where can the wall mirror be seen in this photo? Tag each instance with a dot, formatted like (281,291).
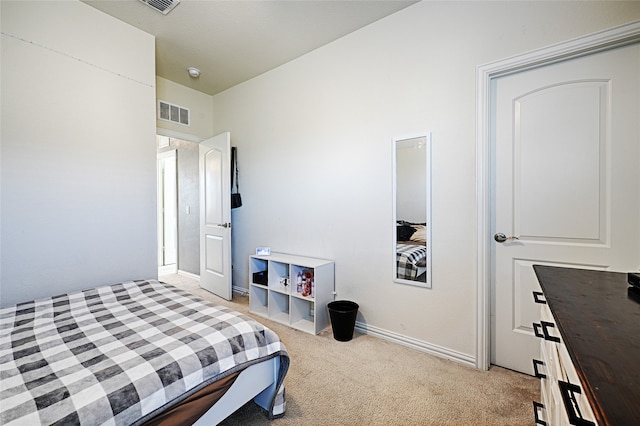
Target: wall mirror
(412,210)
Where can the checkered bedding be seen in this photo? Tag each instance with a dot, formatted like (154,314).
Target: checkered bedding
(121,354)
(407,257)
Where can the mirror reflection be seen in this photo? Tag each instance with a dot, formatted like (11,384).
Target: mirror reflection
(412,211)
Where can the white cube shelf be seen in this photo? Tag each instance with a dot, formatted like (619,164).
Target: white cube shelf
(292,290)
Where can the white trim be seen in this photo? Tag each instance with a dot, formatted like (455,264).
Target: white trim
(416,344)
(171,154)
(188,274)
(167,269)
(604,40)
(240,290)
(178,135)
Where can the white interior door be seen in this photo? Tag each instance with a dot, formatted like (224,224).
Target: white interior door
(215,215)
(566,151)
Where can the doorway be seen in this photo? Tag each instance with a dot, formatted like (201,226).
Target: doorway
(487,76)
(167,213)
(187,205)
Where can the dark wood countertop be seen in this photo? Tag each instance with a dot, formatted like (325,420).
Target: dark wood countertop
(598,315)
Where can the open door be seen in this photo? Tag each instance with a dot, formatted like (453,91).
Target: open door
(215,215)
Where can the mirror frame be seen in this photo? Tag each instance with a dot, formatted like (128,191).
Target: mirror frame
(428,272)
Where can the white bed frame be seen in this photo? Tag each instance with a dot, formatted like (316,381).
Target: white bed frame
(257,382)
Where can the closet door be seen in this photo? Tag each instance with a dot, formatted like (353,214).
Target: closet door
(567,186)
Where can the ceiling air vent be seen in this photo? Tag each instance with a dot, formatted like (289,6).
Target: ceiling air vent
(173,113)
(162,6)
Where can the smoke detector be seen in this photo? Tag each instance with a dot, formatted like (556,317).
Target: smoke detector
(162,6)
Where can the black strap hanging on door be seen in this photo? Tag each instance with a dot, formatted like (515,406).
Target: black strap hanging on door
(236,200)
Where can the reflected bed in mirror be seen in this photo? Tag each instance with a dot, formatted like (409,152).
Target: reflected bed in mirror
(411,210)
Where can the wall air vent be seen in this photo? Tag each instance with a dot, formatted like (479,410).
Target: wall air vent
(162,6)
(173,113)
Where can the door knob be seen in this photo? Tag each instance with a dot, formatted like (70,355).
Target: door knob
(501,238)
(224,225)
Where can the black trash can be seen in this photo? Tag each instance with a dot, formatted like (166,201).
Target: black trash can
(343,319)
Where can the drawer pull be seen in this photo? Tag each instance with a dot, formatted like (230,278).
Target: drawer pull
(544,325)
(538,420)
(538,374)
(567,391)
(536,297)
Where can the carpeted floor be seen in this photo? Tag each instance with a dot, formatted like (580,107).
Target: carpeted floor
(368,381)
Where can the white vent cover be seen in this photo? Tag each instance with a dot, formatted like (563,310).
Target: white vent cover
(162,6)
(173,113)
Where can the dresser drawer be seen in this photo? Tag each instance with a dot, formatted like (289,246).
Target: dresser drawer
(572,391)
(564,401)
(597,315)
(550,358)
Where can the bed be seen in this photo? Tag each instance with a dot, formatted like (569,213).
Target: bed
(411,251)
(135,353)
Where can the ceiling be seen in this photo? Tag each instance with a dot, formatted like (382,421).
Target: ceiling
(234,41)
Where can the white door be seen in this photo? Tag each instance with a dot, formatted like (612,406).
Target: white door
(565,162)
(215,215)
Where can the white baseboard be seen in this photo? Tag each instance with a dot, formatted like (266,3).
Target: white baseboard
(167,269)
(188,274)
(240,290)
(416,344)
(383,334)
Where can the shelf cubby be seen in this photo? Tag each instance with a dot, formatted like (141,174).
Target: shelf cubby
(259,300)
(279,277)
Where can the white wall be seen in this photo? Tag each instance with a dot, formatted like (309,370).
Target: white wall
(78,176)
(314,140)
(200,106)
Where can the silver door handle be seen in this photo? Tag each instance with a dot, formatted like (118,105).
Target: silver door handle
(224,225)
(501,238)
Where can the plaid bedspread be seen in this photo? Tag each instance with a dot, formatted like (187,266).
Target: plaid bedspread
(407,256)
(121,354)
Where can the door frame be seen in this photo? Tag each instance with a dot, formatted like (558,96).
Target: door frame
(164,155)
(485,74)
(189,138)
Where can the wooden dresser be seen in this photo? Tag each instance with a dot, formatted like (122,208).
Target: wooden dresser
(589,362)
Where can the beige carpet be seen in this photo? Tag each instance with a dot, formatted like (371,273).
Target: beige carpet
(368,381)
